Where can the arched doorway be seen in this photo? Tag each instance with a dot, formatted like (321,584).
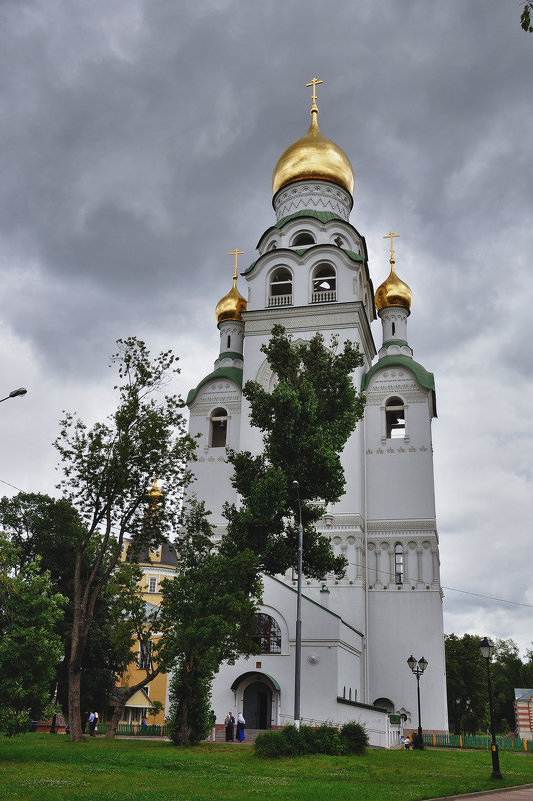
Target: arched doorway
(257,705)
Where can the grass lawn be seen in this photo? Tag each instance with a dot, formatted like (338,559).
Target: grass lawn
(42,767)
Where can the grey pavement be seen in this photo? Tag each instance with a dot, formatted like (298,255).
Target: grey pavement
(522,793)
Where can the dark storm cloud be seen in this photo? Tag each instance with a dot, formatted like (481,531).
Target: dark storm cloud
(137,146)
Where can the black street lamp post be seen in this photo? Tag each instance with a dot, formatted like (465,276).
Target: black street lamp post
(418,669)
(487,649)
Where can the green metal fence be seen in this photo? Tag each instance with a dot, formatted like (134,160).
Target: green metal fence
(135,730)
(477,741)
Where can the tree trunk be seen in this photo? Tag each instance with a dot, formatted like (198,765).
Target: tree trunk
(74,710)
(115,720)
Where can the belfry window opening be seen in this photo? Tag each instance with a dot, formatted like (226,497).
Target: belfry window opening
(324,284)
(219,428)
(280,288)
(303,238)
(395,418)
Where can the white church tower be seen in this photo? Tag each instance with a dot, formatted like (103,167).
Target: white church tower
(358,631)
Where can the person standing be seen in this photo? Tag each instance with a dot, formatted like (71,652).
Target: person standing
(92,724)
(229,723)
(212,725)
(240,727)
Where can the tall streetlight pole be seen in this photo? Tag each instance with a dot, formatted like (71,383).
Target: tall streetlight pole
(298,655)
(418,669)
(487,649)
(15,393)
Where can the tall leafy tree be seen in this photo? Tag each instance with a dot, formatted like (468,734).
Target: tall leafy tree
(107,472)
(306,421)
(46,531)
(30,647)
(208,612)
(466,683)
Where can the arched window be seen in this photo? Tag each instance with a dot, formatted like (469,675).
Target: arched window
(395,418)
(398,563)
(219,428)
(303,238)
(268,636)
(280,288)
(324,284)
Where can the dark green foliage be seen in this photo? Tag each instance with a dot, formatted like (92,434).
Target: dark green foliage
(30,647)
(467,686)
(305,421)
(209,612)
(108,470)
(354,738)
(325,739)
(47,531)
(525,18)
(190,693)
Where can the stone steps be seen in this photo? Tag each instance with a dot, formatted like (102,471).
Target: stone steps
(249,735)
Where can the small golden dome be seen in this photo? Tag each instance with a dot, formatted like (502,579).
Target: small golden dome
(155,493)
(231,305)
(393,292)
(311,157)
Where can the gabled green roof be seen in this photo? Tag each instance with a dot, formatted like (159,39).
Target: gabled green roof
(231,373)
(424,379)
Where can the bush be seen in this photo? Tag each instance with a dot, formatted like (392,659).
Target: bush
(291,741)
(328,741)
(271,745)
(354,738)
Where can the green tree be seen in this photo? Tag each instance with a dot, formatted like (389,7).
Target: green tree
(306,421)
(208,612)
(30,648)
(49,530)
(138,624)
(506,673)
(107,473)
(525,18)
(466,683)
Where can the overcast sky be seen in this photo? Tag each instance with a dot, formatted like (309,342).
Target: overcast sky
(137,143)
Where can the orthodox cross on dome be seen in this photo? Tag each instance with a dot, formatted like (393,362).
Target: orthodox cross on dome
(235,253)
(314,83)
(391,236)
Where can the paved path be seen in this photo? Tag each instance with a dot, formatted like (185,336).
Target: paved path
(523,793)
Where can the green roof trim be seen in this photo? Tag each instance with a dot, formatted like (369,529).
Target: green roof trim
(395,342)
(230,354)
(353,255)
(341,700)
(300,251)
(231,373)
(323,216)
(424,379)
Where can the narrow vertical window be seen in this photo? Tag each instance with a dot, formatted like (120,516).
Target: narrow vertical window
(219,428)
(229,342)
(398,563)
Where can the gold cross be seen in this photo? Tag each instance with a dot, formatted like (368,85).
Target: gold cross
(314,83)
(235,253)
(390,236)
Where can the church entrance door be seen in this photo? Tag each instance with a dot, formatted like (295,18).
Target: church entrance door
(257,706)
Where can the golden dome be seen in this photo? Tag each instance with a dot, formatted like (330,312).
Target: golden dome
(154,494)
(231,305)
(311,157)
(393,292)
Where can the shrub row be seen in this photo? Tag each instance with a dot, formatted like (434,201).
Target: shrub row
(351,738)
